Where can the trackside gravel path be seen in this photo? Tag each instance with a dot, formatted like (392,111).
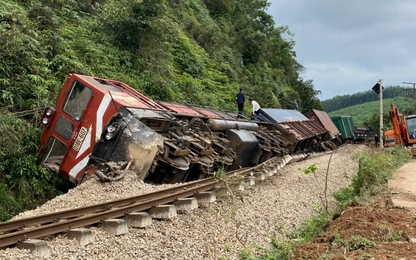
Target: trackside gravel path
(276,206)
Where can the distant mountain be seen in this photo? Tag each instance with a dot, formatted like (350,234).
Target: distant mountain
(340,102)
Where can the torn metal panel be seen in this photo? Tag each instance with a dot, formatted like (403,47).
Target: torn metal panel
(325,120)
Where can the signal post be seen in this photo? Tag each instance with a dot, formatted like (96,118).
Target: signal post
(378,88)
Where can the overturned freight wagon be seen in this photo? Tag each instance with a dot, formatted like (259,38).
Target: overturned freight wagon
(326,122)
(104,127)
(305,134)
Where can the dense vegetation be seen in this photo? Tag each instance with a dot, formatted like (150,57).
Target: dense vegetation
(23,182)
(186,51)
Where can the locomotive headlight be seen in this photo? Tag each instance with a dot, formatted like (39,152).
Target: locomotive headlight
(49,112)
(45,120)
(109,135)
(111,128)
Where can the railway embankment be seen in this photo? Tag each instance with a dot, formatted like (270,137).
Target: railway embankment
(274,207)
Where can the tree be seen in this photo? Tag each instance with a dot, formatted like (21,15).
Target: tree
(308,96)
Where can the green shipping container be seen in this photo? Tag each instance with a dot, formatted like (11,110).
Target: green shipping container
(345,126)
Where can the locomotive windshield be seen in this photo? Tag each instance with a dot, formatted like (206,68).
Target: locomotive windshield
(55,152)
(77,100)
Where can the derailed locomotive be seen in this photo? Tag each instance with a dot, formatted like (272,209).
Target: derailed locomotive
(105,127)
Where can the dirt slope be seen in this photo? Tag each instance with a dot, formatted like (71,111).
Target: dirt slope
(384,230)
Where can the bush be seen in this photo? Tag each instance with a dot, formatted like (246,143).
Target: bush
(9,205)
(24,183)
(376,168)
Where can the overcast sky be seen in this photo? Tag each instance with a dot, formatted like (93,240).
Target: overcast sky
(347,46)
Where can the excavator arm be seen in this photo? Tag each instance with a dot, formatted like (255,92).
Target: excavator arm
(397,122)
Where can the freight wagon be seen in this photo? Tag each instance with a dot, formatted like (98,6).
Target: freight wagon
(346,127)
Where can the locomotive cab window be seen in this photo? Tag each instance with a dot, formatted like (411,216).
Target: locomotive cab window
(64,127)
(77,100)
(55,151)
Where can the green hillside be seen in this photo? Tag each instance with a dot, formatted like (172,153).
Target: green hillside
(368,114)
(188,51)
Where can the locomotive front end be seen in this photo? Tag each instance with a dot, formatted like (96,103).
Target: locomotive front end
(91,126)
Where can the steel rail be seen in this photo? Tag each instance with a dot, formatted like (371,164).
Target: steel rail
(18,224)
(62,221)
(87,220)
(71,213)
(65,214)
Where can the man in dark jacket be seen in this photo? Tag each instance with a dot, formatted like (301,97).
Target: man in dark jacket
(376,140)
(240,100)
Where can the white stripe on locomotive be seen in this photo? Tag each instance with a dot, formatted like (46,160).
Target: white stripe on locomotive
(98,130)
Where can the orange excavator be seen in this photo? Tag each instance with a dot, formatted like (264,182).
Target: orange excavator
(389,138)
(404,128)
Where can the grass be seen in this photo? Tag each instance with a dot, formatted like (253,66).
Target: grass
(391,235)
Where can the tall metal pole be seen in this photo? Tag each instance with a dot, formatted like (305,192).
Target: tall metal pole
(414,94)
(381,115)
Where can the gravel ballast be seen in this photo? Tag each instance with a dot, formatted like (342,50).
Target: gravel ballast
(274,207)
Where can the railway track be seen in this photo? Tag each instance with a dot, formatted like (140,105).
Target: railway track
(15,231)
(54,223)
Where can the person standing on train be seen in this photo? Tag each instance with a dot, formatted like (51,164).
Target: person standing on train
(295,105)
(240,100)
